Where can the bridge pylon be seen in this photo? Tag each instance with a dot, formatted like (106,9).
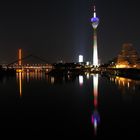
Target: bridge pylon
(19,57)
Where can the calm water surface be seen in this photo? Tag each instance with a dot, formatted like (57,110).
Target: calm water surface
(88,106)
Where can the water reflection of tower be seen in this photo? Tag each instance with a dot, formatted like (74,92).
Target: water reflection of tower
(95,118)
(95,23)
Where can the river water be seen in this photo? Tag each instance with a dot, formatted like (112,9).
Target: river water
(84,106)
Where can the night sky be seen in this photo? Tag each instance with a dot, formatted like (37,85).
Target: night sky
(61,29)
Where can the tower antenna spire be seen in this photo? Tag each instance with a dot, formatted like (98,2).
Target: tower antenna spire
(94,15)
(94,8)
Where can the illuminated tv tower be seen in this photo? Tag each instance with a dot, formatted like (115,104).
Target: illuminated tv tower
(95,23)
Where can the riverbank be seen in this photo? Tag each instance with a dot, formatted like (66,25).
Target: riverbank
(131,73)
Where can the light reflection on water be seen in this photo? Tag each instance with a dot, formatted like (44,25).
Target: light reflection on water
(21,76)
(81,80)
(38,76)
(125,85)
(95,118)
(129,88)
(20,83)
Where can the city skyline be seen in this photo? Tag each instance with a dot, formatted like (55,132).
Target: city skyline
(62,30)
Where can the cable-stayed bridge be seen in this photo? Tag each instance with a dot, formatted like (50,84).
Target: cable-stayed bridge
(26,63)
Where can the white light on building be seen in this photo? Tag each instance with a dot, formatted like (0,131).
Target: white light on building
(80,58)
(87,63)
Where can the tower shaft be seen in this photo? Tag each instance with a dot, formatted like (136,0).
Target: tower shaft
(95,51)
